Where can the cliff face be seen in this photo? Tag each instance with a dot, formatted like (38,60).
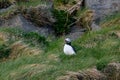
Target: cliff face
(103,7)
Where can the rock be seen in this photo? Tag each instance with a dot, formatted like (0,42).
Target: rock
(1,21)
(112,71)
(94,26)
(76,32)
(103,7)
(20,22)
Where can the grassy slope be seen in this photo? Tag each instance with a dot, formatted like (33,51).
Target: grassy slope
(93,49)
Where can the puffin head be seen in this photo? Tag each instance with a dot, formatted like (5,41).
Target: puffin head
(68,41)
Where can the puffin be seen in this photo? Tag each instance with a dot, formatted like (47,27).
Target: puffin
(68,49)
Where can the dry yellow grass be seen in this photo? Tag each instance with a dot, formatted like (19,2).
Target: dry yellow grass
(18,48)
(33,69)
(53,57)
(111,23)
(3,37)
(86,19)
(21,49)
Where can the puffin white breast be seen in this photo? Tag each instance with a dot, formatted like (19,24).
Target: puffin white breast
(68,50)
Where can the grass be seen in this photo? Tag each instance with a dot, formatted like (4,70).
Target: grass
(64,4)
(32,3)
(93,49)
(33,38)
(7,12)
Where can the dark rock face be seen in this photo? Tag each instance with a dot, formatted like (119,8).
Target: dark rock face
(20,22)
(103,7)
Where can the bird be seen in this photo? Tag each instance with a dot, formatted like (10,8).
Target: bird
(68,49)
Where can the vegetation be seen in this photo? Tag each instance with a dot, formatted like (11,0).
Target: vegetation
(63,20)
(64,3)
(27,3)
(61,1)
(4,3)
(4,51)
(14,40)
(31,3)
(27,37)
(86,19)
